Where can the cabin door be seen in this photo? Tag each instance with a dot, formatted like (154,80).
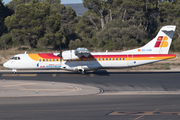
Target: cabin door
(41,63)
(130,60)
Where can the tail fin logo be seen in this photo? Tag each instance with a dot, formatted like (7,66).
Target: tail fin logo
(162,41)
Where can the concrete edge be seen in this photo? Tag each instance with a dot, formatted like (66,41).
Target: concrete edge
(144,93)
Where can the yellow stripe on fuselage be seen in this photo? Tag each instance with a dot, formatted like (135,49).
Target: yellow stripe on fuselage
(36,57)
(151,58)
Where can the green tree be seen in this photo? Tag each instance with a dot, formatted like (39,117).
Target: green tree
(87,25)
(4,12)
(32,22)
(98,7)
(68,22)
(169,15)
(5,41)
(113,7)
(119,36)
(75,44)
(12,4)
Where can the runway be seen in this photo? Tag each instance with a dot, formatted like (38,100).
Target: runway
(152,95)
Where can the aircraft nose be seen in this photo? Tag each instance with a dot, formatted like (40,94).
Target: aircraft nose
(5,65)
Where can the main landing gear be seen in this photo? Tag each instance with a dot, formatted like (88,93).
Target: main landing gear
(82,71)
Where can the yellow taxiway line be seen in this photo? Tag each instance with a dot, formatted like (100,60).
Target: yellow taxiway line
(54,75)
(91,75)
(27,75)
(18,85)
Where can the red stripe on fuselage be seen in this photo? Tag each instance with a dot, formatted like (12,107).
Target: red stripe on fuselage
(48,56)
(52,56)
(136,55)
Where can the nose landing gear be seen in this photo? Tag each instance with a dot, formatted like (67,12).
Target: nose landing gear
(14,71)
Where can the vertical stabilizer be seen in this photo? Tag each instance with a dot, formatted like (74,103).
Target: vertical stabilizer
(161,43)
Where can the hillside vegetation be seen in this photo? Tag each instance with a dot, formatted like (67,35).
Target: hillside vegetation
(78,7)
(107,24)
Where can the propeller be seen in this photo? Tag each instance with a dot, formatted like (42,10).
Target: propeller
(60,55)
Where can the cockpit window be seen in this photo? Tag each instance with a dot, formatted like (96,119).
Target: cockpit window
(15,58)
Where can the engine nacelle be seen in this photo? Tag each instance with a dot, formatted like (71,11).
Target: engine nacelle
(75,54)
(69,55)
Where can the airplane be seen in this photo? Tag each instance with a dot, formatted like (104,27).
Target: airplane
(81,60)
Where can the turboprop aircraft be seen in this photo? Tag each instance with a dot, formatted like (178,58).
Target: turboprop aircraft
(82,60)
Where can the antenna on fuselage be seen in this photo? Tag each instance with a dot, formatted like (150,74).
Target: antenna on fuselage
(60,54)
(25,52)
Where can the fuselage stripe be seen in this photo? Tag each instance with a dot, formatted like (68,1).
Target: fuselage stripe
(50,57)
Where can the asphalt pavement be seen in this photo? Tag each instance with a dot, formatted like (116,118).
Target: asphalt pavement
(154,96)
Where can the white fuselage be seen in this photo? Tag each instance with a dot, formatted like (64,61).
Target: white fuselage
(94,61)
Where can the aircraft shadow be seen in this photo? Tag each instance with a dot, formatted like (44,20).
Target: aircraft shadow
(96,72)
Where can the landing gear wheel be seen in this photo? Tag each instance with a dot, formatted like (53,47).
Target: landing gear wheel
(14,71)
(83,72)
